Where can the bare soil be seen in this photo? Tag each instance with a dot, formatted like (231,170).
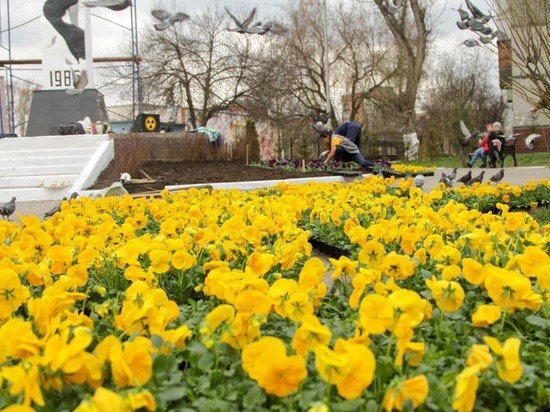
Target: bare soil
(178,173)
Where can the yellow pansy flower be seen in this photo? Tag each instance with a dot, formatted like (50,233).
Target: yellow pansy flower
(333,367)
(479,355)
(467,383)
(485,315)
(376,314)
(183,260)
(267,363)
(12,293)
(24,379)
(310,334)
(398,267)
(413,389)
(509,367)
(448,296)
(343,265)
(473,271)
(361,372)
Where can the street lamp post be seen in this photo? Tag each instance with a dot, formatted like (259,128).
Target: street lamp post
(325,58)
(136,87)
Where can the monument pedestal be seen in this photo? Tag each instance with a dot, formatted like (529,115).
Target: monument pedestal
(50,108)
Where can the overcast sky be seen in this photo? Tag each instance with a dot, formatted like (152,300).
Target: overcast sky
(26,21)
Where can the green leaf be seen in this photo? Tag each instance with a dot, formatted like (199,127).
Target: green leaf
(538,321)
(171,394)
(213,405)
(163,363)
(372,406)
(254,397)
(351,405)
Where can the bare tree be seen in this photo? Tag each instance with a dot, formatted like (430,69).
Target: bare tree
(366,54)
(409,27)
(358,54)
(457,89)
(199,65)
(526,28)
(23,98)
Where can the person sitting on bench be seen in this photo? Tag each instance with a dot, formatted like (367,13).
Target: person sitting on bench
(482,150)
(496,143)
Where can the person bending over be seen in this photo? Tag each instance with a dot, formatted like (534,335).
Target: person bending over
(343,149)
(351,130)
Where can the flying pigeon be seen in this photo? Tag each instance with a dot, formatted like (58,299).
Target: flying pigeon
(497,177)
(57,208)
(464,15)
(470,43)
(392,8)
(477,179)
(269,26)
(7,209)
(477,13)
(115,5)
(476,25)
(321,128)
(462,25)
(80,82)
(167,19)
(241,27)
(489,38)
(464,140)
(466,178)
(530,139)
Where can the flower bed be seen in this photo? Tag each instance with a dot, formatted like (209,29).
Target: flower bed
(209,300)
(401,170)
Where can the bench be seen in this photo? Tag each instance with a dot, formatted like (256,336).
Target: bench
(509,149)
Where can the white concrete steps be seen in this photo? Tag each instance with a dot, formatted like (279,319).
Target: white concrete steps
(33,170)
(51,167)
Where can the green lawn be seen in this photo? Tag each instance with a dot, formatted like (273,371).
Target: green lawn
(526,159)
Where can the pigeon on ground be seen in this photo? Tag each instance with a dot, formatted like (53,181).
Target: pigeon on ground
(466,178)
(446,181)
(530,139)
(115,5)
(80,82)
(167,19)
(419,180)
(477,179)
(498,176)
(7,209)
(241,27)
(57,208)
(466,134)
(452,176)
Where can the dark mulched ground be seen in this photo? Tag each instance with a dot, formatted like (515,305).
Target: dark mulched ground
(175,173)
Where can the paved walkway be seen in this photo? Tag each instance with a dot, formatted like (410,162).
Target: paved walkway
(512,175)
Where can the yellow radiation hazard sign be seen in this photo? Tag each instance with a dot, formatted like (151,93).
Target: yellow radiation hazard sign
(150,123)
